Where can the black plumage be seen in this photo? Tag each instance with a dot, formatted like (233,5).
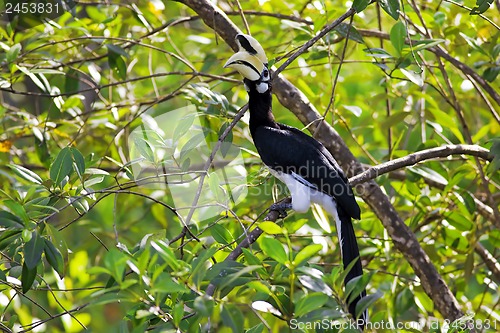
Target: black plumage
(286,149)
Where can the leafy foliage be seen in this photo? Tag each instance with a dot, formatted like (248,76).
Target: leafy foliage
(91,235)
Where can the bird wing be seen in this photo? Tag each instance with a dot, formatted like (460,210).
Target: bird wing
(289,150)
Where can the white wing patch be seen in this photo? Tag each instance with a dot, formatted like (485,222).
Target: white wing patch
(304,193)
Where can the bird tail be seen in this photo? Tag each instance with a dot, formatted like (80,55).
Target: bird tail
(350,252)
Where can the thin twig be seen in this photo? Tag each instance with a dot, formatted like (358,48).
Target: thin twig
(238,116)
(313,40)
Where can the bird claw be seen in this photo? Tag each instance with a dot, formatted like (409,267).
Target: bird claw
(281,208)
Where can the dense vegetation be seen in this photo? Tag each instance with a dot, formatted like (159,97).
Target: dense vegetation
(111,219)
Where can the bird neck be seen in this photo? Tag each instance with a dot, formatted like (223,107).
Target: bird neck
(261,112)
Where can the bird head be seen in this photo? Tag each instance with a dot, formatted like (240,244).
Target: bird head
(251,62)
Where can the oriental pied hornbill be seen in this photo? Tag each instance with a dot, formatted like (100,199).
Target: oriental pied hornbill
(306,167)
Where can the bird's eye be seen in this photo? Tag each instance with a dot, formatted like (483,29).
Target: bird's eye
(266,72)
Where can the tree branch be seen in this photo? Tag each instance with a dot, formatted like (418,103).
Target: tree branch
(294,100)
(443,54)
(398,163)
(482,208)
(249,240)
(490,261)
(375,172)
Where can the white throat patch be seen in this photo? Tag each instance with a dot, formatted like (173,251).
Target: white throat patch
(262,87)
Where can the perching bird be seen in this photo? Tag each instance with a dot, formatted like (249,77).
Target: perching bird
(306,167)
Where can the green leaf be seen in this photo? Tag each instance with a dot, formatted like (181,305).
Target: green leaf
(469,265)
(428,173)
(200,264)
(13,52)
(307,253)
(259,328)
(356,285)
(459,221)
(495,151)
(183,126)
(232,317)
(309,303)
(315,284)
(473,43)
(259,287)
(115,261)
(145,149)
(398,36)
(228,140)
(193,142)
(117,63)
(214,184)
(481,7)
(494,238)
(354,109)
(426,44)
(166,253)
(204,305)
(360,5)
(253,260)
(33,250)
(54,257)
(405,300)
(273,249)
(8,220)
(71,82)
(495,52)
(80,204)
(36,80)
(117,50)
(221,234)
(62,166)
(18,209)
(343,29)
(467,201)
(391,7)
(57,240)
(178,313)
(79,161)
(9,237)
(165,284)
(25,174)
(270,228)
(340,278)
(491,73)
(367,301)
(439,18)
(28,276)
(238,277)
(378,53)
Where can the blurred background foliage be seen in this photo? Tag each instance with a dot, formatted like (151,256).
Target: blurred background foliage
(85,245)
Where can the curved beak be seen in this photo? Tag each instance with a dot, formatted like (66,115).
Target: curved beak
(246,64)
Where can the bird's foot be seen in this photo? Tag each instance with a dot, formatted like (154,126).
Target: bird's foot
(281,208)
